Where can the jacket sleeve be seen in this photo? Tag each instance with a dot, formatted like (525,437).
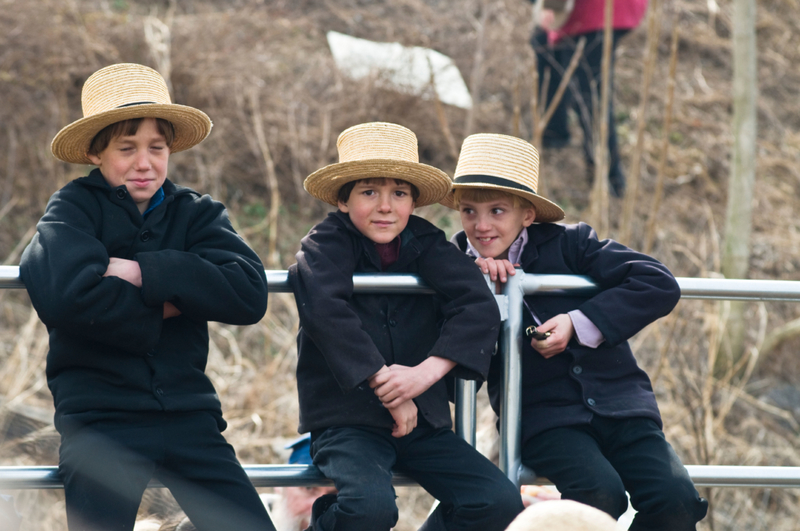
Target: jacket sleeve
(217,278)
(471,317)
(62,269)
(322,281)
(636,289)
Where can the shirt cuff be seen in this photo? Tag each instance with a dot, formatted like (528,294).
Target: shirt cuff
(586,332)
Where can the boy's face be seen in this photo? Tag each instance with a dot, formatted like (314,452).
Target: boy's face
(379,208)
(494,225)
(139,162)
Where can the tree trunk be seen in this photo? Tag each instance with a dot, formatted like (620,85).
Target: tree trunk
(738,216)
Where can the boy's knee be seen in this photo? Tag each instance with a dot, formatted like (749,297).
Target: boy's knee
(606,494)
(505,501)
(678,506)
(369,511)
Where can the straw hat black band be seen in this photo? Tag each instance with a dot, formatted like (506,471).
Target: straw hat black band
(137,103)
(489,179)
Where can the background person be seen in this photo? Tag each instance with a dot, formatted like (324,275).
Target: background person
(562,23)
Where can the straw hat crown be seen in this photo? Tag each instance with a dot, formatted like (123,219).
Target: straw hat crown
(504,163)
(378,149)
(122,92)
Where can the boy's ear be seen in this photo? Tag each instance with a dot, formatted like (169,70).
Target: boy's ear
(530,217)
(94,158)
(343,207)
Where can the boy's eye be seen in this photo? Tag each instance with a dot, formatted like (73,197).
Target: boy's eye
(368,192)
(497,211)
(400,193)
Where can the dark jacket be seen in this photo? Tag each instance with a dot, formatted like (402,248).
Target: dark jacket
(110,348)
(570,387)
(345,338)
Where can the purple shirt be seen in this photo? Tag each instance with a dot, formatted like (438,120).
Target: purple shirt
(586,332)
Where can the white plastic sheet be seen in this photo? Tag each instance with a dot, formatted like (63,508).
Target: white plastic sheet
(406,69)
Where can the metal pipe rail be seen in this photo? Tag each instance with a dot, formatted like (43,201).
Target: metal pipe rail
(46,477)
(510,304)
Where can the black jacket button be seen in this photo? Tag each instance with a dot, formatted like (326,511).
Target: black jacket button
(145,236)
(392,322)
(577,369)
(121,193)
(591,402)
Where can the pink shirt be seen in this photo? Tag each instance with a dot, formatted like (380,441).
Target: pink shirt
(589,15)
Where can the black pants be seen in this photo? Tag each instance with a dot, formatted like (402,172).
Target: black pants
(596,463)
(107,461)
(583,91)
(473,493)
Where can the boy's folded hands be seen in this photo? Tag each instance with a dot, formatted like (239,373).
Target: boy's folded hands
(405,418)
(397,385)
(129,271)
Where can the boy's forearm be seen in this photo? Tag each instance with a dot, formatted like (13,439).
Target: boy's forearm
(436,367)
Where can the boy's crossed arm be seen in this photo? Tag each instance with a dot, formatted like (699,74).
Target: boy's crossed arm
(129,271)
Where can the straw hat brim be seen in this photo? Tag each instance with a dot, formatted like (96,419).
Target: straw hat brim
(191,126)
(432,183)
(546,210)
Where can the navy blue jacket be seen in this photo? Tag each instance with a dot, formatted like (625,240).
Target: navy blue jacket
(110,348)
(571,387)
(345,338)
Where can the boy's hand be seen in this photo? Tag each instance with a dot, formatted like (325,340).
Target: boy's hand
(561,330)
(170,310)
(397,384)
(405,418)
(496,268)
(127,270)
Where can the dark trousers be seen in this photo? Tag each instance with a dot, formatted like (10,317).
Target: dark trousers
(106,463)
(596,463)
(584,89)
(473,494)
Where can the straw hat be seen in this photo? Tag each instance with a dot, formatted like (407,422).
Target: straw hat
(506,163)
(378,149)
(121,92)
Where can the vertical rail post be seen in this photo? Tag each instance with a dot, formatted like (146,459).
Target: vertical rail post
(465,397)
(465,410)
(511,398)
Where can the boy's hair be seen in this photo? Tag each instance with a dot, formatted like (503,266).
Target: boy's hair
(484,195)
(128,128)
(343,195)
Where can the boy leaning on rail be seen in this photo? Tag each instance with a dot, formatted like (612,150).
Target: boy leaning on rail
(125,270)
(371,367)
(590,422)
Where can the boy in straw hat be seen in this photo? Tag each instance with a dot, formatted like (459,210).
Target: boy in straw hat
(371,368)
(125,270)
(590,422)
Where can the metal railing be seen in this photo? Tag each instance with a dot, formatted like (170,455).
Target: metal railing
(510,303)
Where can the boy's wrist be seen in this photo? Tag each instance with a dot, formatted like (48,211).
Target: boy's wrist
(435,368)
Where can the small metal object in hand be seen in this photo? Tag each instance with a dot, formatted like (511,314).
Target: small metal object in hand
(531,331)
